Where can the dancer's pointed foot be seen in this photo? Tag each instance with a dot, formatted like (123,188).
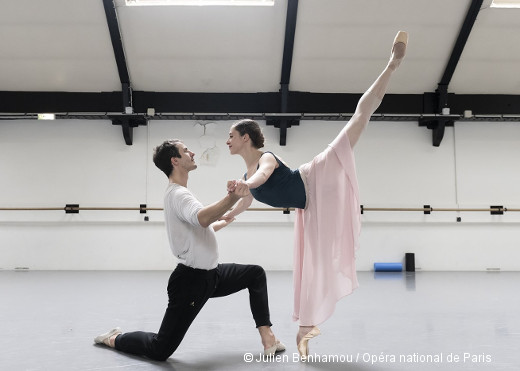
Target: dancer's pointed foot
(108,338)
(303,342)
(271,344)
(277,347)
(398,49)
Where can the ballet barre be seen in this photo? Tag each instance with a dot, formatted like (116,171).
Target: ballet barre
(75,208)
(427,209)
(143,208)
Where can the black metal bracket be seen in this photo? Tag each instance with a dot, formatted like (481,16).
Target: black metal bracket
(128,123)
(142,209)
(283,124)
(71,209)
(286,121)
(497,210)
(427,209)
(437,125)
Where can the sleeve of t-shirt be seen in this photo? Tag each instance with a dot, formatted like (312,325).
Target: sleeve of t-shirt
(187,207)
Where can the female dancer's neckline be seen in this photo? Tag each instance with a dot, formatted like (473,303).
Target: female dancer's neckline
(253,160)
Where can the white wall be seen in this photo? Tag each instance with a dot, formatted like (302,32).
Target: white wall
(52,163)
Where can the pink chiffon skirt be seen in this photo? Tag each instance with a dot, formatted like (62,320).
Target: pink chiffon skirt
(326,233)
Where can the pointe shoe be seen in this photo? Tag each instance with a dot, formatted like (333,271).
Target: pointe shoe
(276,348)
(401,37)
(105,338)
(398,53)
(303,346)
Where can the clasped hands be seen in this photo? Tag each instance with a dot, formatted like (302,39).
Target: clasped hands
(238,187)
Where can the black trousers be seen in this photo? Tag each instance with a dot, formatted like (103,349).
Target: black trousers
(188,290)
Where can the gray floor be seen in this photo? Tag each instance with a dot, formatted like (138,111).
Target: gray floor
(421,321)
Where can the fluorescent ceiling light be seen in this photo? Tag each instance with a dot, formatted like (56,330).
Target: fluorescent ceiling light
(505,4)
(46,116)
(200,2)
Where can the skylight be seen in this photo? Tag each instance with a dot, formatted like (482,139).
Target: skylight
(505,4)
(200,2)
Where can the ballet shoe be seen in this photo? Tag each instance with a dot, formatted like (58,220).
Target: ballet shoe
(105,338)
(398,53)
(303,345)
(401,37)
(276,348)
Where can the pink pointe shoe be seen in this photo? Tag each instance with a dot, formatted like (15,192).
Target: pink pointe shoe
(303,345)
(398,49)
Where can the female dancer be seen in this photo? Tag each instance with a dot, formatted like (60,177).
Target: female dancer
(325,195)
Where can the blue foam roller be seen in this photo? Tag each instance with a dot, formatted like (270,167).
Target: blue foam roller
(388,267)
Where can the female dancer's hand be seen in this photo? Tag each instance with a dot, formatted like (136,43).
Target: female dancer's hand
(221,223)
(241,189)
(227,218)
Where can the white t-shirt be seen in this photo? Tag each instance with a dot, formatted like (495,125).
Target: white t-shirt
(192,244)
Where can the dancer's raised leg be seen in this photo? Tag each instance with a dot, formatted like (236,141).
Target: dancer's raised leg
(372,98)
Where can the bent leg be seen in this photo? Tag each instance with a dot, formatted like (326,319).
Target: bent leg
(236,277)
(187,294)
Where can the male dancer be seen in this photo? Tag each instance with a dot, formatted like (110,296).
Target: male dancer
(191,230)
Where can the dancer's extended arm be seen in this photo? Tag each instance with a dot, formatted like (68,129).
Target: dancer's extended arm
(218,225)
(211,213)
(240,207)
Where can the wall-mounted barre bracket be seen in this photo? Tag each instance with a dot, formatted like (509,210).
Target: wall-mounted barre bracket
(497,210)
(427,209)
(142,209)
(71,209)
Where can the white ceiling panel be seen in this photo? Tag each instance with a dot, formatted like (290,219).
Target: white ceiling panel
(491,58)
(56,45)
(340,46)
(204,49)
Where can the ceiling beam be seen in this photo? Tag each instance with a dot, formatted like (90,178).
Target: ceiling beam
(288,47)
(23,102)
(117,42)
(465,31)
(122,68)
(442,97)
(52,102)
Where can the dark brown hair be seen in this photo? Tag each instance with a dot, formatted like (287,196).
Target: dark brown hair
(251,128)
(162,155)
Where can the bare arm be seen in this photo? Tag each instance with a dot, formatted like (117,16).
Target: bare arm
(211,213)
(218,225)
(266,166)
(241,206)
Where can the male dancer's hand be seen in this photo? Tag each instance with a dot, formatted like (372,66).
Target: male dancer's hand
(231,185)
